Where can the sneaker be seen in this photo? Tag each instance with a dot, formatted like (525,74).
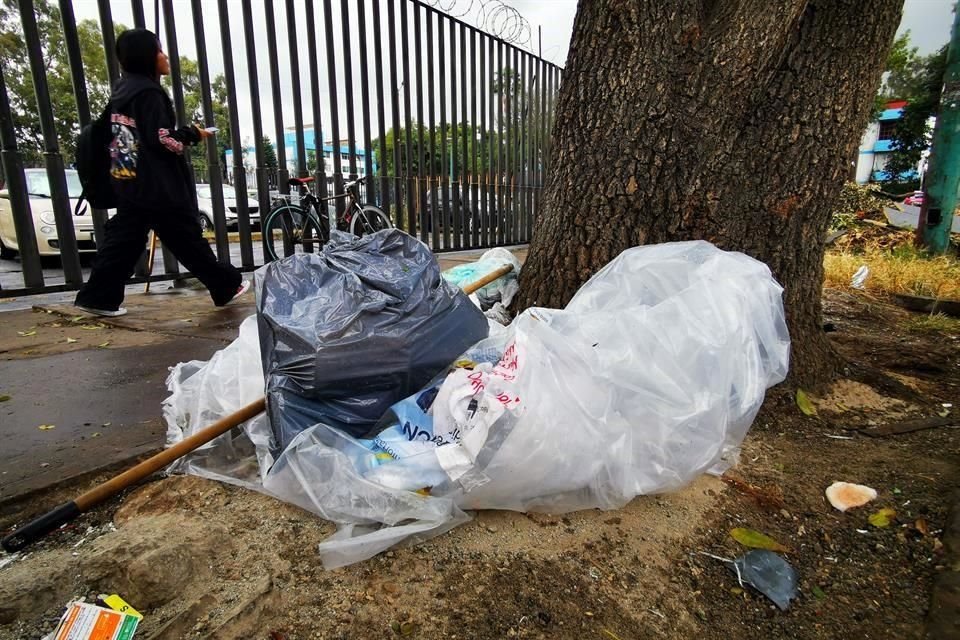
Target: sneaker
(242,289)
(103,312)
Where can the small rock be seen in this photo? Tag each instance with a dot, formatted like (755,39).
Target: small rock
(491,528)
(785,513)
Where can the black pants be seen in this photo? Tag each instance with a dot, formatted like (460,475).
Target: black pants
(127,234)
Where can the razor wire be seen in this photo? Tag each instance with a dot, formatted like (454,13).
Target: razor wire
(494,16)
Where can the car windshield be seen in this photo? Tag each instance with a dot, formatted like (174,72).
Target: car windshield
(203,191)
(39,186)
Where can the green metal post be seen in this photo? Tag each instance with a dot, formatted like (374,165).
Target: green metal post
(943,177)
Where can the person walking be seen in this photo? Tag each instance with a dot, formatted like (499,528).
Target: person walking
(152,185)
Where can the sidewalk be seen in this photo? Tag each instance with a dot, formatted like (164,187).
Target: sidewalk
(100,381)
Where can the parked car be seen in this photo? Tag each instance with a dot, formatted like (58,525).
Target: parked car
(41,207)
(915,199)
(205,204)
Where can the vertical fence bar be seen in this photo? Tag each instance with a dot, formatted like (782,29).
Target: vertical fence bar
(170,26)
(109,41)
(395,108)
(509,164)
(475,218)
(75,60)
(492,139)
(16,184)
(239,170)
(60,199)
(431,107)
(542,156)
(484,142)
(408,133)
(348,83)
(139,21)
(382,164)
(334,104)
(263,184)
(503,80)
(531,142)
(365,102)
(463,193)
(421,156)
(443,206)
(454,134)
(517,120)
(279,142)
(213,155)
(527,138)
(521,111)
(320,173)
(301,147)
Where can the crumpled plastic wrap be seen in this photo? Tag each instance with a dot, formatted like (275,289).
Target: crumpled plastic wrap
(649,377)
(500,290)
(349,331)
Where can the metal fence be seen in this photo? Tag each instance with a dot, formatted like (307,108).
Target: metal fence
(452,127)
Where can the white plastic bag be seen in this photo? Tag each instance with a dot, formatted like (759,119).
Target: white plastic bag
(650,377)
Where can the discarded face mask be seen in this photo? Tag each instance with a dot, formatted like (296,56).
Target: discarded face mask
(769,574)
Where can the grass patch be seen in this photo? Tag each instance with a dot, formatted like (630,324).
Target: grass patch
(932,323)
(901,270)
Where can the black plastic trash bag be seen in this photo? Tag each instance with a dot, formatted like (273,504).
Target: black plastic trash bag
(347,332)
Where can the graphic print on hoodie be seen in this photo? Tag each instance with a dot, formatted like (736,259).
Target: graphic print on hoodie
(148,165)
(123,147)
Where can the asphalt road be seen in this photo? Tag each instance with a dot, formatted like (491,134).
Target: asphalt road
(907,219)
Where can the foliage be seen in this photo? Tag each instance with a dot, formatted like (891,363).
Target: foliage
(856,202)
(918,80)
(23,103)
(16,70)
(269,153)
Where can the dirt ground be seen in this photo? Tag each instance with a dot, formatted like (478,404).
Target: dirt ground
(206,560)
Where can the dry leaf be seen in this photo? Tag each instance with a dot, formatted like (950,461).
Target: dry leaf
(104,344)
(26,333)
(803,401)
(92,327)
(4,398)
(56,325)
(71,340)
(47,427)
(756,540)
(883,518)
(95,434)
(921,526)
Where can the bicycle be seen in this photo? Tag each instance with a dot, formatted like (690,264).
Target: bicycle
(297,227)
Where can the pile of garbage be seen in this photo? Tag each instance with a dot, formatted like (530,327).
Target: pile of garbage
(649,377)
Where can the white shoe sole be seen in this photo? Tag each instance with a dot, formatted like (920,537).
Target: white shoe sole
(103,312)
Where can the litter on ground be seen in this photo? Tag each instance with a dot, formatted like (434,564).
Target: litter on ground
(393,405)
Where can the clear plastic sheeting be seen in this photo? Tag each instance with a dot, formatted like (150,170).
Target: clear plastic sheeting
(500,290)
(649,377)
(349,331)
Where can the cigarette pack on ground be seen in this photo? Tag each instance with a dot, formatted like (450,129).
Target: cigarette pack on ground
(84,621)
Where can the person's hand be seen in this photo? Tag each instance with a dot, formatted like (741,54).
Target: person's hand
(204,134)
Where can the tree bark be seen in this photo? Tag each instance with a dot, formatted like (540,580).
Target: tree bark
(723,120)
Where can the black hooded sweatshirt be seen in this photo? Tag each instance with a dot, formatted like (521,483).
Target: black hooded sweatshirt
(148,168)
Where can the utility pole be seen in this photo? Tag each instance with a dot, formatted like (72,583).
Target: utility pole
(943,176)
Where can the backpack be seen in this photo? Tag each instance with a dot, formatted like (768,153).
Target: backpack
(93,163)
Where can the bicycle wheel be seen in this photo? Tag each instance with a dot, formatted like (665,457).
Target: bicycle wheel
(290,229)
(369,219)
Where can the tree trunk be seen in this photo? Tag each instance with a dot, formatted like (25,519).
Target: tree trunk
(723,120)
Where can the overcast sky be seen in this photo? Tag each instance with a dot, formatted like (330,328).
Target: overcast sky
(929,22)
